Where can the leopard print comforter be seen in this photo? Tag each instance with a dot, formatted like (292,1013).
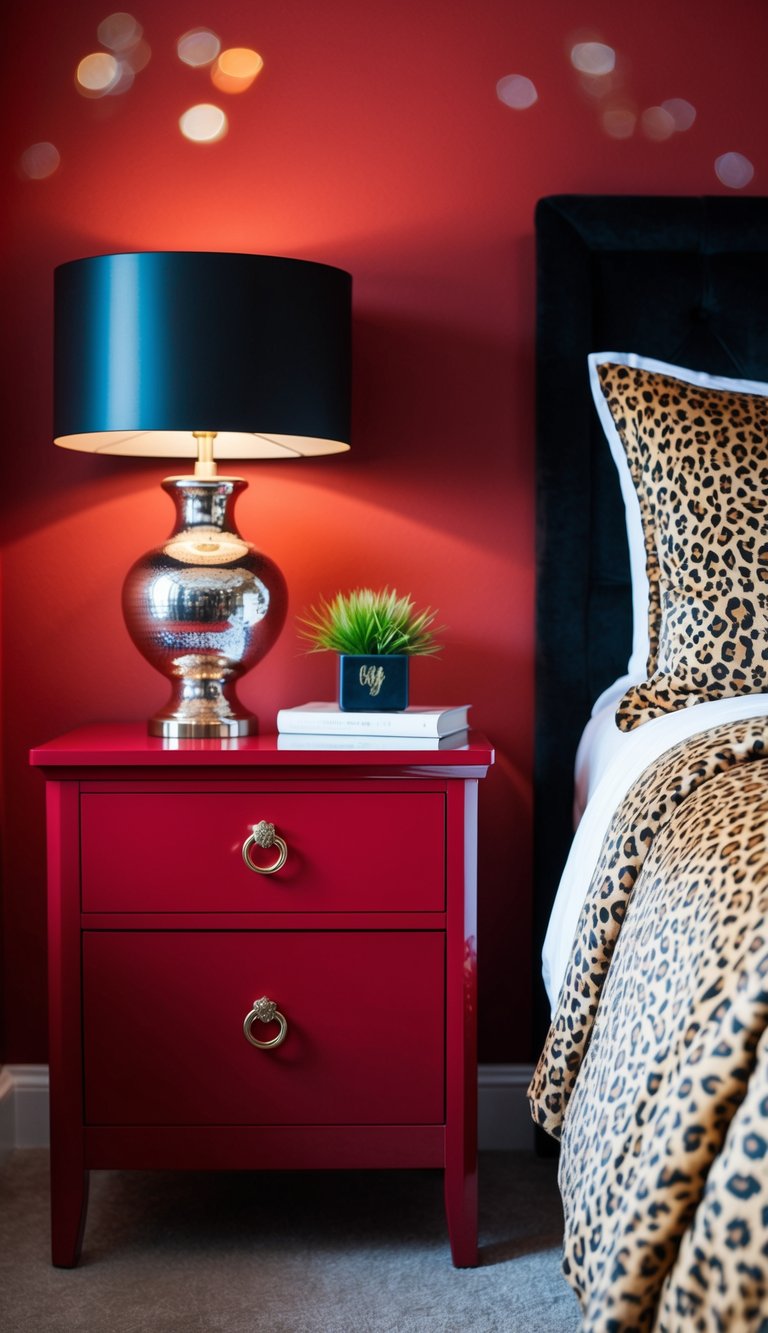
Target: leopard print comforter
(655,1070)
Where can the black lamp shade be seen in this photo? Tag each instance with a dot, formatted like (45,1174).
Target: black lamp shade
(150,347)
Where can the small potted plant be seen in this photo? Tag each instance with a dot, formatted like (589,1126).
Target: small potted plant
(375,635)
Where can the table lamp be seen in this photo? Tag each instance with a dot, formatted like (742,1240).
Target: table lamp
(207,355)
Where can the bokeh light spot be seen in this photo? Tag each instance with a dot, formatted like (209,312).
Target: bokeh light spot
(39,160)
(198,47)
(619,122)
(657,123)
(119,32)
(593,58)
(138,57)
(517,91)
(598,87)
(734,170)
(125,77)
(682,113)
(203,123)
(97,74)
(236,69)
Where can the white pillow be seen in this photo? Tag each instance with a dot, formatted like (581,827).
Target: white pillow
(636,669)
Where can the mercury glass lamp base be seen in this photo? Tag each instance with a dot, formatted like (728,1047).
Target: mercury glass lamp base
(203,608)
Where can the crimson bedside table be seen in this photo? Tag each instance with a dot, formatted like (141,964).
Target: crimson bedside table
(260,958)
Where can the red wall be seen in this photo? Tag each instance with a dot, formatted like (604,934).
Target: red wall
(374,140)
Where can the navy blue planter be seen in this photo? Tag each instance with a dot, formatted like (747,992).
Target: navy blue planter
(378,683)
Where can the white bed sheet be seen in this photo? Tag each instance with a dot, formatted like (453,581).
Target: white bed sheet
(600,741)
(610,763)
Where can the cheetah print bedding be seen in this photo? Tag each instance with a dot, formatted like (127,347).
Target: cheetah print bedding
(655,1070)
(698,458)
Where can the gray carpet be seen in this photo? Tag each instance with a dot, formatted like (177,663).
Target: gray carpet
(315,1252)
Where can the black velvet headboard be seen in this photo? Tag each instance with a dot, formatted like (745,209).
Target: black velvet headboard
(681,279)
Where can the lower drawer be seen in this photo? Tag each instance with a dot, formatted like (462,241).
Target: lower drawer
(163,1017)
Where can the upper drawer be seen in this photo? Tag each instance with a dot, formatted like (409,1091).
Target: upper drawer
(183,852)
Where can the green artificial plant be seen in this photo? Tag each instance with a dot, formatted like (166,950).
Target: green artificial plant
(365,623)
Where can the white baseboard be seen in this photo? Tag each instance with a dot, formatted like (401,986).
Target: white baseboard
(7,1113)
(504,1122)
(23,1107)
(31,1098)
(504,1119)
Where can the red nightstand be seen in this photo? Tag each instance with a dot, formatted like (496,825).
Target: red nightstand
(165,936)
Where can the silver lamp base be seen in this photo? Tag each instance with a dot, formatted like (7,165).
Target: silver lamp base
(203,709)
(203,608)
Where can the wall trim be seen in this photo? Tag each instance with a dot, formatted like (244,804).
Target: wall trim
(504,1122)
(504,1117)
(7,1112)
(24,1107)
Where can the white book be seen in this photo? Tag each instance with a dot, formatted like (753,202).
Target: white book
(294,740)
(327,719)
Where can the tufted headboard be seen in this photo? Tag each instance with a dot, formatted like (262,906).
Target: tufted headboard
(684,280)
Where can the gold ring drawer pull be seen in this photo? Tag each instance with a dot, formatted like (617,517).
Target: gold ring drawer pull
(264,835)
(266,1011)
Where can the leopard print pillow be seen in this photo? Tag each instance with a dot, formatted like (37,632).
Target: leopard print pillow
(698,457)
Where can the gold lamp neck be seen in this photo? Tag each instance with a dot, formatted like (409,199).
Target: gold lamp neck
(205,464)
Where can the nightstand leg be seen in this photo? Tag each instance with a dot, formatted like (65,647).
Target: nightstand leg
(69,1206)
(461,1028)
(461,1203)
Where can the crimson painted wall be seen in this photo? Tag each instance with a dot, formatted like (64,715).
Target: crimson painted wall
(373,139)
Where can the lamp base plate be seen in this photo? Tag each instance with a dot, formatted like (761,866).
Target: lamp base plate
(171,728)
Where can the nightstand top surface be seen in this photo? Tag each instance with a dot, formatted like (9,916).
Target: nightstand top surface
(127,744)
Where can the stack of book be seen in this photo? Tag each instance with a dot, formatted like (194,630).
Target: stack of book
(326,726)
